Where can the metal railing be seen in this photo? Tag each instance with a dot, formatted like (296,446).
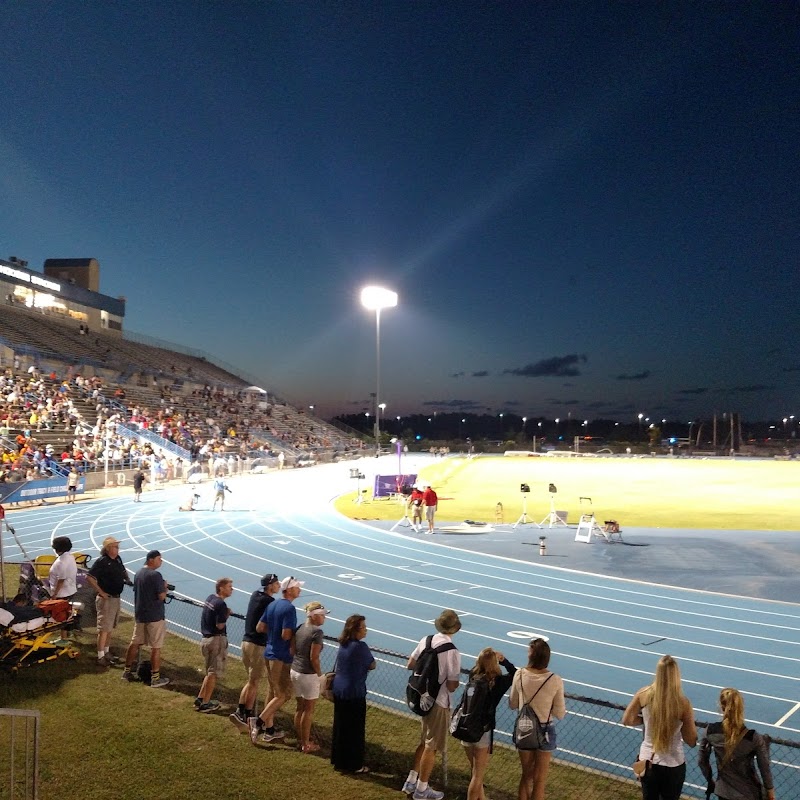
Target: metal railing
(19,776)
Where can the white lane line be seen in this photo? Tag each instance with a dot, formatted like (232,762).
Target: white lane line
(788,714)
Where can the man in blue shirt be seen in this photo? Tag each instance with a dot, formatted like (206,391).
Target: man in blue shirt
(279,622)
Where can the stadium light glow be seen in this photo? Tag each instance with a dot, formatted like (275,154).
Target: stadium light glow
(376,298)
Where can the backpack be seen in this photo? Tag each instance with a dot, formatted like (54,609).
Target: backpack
(424,684)
(529,732)
(145,672)
(471,717)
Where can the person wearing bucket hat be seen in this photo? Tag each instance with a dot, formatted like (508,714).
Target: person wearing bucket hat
(253,643)
(107,576)
(435,723)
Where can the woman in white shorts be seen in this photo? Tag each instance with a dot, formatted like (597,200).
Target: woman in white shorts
(306,672)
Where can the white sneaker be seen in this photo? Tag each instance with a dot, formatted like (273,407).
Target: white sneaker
(409,787)
(428,794)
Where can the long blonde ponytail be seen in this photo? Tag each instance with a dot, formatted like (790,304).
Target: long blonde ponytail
(732,705)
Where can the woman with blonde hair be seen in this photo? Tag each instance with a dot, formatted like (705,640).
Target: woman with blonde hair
(737,749)
(487,668)
(543,690)
(668,720)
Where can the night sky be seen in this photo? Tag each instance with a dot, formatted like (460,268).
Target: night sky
(586,208)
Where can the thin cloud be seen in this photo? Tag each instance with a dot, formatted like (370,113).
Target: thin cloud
(557,366)
(752,388)
(458,374)
(459,404)
(637,376)
(698,390)
(481,373)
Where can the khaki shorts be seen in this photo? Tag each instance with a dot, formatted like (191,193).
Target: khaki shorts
(215,653)
(280,681)
(107,613)
(435,727)
(253,660)
(149,633)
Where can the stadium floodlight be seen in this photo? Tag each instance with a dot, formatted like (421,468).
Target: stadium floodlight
(376,298)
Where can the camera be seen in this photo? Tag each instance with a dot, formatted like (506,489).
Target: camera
(170,587)
(524,488)
(552,488)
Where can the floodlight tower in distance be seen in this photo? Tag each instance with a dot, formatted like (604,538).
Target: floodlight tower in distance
(376,298)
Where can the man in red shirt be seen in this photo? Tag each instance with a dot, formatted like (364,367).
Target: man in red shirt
(431,501)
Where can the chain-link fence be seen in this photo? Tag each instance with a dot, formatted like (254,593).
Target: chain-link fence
(595,750)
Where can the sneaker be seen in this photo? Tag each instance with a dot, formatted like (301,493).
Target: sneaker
(211,705)
(427,794)
(409,787)
(113,660)
(252,727)
(271,736)
(239,722)
(104,662)
(131,677)
(158,684)
(197,702)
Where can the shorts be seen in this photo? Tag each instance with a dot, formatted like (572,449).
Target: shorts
(72,489)
(107,613)
(279,680)
(484,743)
(215,653)
(435,727)
(429,512)
(305,685)
(149,633)
(253,660)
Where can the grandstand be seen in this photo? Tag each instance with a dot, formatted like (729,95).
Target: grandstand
(83,380)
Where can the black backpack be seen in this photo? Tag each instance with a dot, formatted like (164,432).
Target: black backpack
(424,683)
(470,720)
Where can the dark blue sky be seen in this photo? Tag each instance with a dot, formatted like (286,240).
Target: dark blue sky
(586,208)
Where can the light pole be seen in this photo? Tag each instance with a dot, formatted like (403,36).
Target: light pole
(376,298)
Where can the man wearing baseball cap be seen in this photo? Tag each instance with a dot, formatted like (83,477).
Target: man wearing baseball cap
(107,577)
(149,628)
(279,621)
(253,643)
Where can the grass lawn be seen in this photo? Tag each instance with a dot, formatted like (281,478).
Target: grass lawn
(106,739)
(720,494)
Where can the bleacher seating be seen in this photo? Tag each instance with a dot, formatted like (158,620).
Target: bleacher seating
(181,398)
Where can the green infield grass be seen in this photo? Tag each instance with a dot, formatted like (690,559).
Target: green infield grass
(638,492)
